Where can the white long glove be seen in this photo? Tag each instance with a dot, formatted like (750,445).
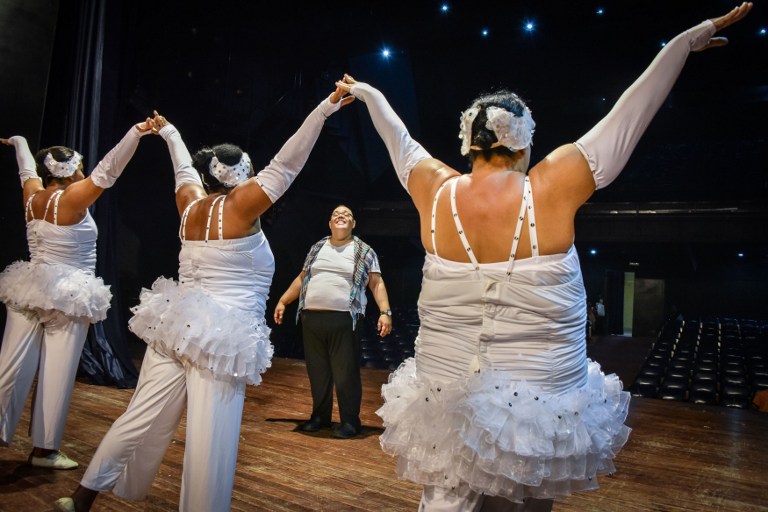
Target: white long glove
(24,159)
(183,171)
(404,152)
(111,166)
(608,145)
(276,177)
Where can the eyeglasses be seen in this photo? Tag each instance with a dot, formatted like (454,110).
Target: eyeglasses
(347,215)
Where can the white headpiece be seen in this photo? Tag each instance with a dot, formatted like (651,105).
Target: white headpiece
(230,176)
(63,169)
(512,131)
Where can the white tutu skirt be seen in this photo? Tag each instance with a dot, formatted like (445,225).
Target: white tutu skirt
(44,287)
(189,324)
(503,437)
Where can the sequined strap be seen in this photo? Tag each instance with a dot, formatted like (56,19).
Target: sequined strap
(219,200)
(183,225)
(526,204)
(30,214)
(459,227)
(434,212)
(55,198)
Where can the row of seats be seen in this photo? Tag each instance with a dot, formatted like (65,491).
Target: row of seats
(390,351)
(706,361)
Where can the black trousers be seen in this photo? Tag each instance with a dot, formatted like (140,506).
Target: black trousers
(332,355)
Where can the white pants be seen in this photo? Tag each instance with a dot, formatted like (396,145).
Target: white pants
(437,499)
(131,452)
(49,347)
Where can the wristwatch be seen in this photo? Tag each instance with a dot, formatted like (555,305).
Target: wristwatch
(387,312)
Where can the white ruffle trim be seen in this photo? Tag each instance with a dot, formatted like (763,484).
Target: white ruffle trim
(503,437)
(41,287)
(190,324)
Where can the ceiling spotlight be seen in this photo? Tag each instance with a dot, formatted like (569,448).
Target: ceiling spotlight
(600,11)
(385,53)
(529,26)
(484,32)
(762,31)
(444,8)
(741,255)
(663,44)
(593,252)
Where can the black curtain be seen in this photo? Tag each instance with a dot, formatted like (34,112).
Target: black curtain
(79,114)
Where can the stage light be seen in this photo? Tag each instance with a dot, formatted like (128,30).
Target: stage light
(762,31)
(663,44)
(484,32)
(741,255)
(444,8)
(529,26)
(593,252)
(599,11)
(386,53)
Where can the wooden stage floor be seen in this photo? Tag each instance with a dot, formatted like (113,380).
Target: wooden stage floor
(680,457)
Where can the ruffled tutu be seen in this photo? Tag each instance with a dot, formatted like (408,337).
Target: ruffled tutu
(42,287)
(503,437)
(189,324)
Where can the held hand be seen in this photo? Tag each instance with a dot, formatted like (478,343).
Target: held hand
(7,142)
(384,325)
(338,95)
(146,126)
(736,14)
(159,122)
(279,311)
(345,84)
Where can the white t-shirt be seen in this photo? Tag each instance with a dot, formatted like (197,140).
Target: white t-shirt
(331,278)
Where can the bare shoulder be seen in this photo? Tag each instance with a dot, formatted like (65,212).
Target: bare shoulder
(564,175)
(426,177)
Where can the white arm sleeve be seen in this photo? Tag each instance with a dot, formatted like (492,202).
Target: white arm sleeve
(276,177)
(183,171)
(24,158)
(111,166)
(404,152)
(608,145)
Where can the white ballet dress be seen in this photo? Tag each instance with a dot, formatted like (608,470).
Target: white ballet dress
(501,397)
(213,317)
(59,278)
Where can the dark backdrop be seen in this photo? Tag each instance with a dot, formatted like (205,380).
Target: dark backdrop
(246,72)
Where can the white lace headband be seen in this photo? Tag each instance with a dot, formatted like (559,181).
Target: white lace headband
(512,131)
(62,169)
(231,175)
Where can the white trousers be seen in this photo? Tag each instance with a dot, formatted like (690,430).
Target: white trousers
(437,499)
(49,347)
(131,452)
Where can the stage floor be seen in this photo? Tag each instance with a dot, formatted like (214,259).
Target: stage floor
(680,457)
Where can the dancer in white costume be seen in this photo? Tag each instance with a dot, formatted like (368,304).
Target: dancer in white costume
(501,409)
(206,333)
(52,298)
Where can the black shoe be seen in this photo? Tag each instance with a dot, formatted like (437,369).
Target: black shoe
(313,425)
(345,431)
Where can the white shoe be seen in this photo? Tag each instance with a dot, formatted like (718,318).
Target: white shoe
(64,505)
(55,460)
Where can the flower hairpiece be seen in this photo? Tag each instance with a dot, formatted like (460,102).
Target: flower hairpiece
(465,128)
(63,169)
(512,131)
(231,175)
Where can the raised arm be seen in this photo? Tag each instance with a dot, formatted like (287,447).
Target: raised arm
(84,193)
(415,167)
(30,181)
(609,144)
(188,184)
(253,197)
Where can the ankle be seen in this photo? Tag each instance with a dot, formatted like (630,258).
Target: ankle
(42,452)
